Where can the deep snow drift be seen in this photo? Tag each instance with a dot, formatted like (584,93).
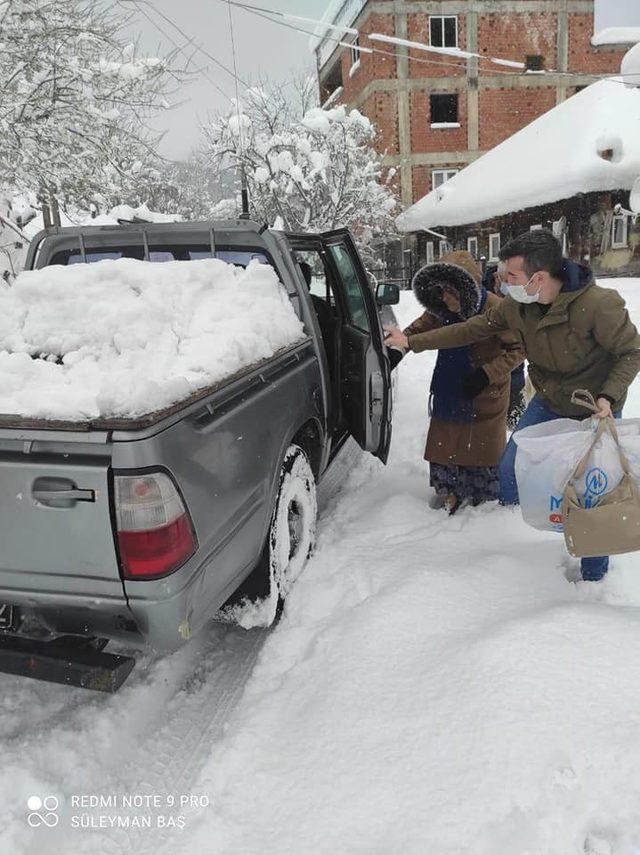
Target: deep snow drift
(124,338)
(436,684)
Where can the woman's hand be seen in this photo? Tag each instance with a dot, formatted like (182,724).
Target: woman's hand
(395,338)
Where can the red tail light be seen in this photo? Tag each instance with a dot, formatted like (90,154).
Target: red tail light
(154,530)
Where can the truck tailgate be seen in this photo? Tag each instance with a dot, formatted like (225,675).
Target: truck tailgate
(55,527)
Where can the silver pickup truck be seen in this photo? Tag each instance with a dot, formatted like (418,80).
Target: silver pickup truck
(140,531)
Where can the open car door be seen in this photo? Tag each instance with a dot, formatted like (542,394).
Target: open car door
(365,376)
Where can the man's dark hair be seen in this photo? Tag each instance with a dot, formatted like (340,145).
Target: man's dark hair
(539,249)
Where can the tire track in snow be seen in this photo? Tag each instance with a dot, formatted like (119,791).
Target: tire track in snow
(183,756)
(169,759)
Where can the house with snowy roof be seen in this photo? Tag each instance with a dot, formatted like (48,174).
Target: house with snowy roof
(567,170)
(445,82)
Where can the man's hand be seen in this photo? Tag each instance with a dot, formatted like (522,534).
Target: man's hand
(396,338)
(604,408)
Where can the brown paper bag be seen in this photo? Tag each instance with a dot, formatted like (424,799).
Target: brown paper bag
(611,527)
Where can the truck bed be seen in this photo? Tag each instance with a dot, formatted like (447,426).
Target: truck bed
(258,370)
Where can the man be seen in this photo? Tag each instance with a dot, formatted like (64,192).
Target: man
(576,335)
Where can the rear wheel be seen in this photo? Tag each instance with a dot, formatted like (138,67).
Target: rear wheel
(290,542)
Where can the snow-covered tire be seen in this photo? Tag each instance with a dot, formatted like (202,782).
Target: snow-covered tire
(292,533)
(290,542)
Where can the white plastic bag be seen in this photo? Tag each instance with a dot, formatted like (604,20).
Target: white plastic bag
(548,453)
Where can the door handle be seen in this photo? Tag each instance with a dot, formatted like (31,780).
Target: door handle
(75,495)
(60,493)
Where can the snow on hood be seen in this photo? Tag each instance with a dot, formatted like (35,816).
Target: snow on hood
(553,158)
(125,338)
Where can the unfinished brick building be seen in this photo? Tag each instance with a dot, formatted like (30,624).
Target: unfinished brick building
(438,113)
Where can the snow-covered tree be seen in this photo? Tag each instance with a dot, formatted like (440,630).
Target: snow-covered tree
(75,99)
(307,172)
(192,189)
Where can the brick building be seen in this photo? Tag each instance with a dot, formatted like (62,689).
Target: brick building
(438,113)
(568,171)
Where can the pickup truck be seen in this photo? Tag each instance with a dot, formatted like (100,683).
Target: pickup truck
(139,531)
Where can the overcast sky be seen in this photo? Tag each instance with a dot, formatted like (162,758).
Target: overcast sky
(262,49)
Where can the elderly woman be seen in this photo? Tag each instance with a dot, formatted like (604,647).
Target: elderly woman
(469,394)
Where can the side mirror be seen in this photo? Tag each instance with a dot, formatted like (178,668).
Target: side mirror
(387,294)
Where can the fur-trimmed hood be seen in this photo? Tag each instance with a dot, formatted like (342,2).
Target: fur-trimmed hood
(458,270)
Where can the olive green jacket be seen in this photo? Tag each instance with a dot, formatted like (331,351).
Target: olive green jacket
(585,340)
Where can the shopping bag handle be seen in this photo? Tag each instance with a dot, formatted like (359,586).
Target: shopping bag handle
(609,424)
(581,467)
(584,398)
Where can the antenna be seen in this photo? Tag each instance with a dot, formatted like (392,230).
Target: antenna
(243,176)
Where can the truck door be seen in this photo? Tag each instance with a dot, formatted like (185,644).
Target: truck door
(365,377)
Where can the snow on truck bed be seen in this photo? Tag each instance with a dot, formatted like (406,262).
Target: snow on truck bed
(121,339)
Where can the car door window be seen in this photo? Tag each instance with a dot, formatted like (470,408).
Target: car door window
(315,275)
(356,305)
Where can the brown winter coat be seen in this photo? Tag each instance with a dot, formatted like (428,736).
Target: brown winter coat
(586,340)
(481,441)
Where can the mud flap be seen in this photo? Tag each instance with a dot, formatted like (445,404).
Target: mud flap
(67,662)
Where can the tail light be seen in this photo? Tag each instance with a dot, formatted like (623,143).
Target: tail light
(154,529)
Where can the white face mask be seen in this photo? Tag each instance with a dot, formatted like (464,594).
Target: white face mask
(519,294)
(504,289)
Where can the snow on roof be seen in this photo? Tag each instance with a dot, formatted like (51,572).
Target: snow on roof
(321,30)
(126,338)
(616,36)
(340,14)
(553,158)
(630,67)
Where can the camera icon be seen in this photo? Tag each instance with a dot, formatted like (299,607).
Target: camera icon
(42,811)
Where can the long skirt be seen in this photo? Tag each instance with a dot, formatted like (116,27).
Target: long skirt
(476,483)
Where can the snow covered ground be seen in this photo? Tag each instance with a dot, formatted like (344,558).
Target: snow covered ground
(435,686)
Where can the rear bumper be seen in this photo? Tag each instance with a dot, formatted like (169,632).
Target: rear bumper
(66,614)
(167,615)
(160,614)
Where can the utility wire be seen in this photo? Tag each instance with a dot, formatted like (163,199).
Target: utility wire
(251,10)
(572,74)
(233,53)
(291,17)
(139,6)
(184,35)
(243,176)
